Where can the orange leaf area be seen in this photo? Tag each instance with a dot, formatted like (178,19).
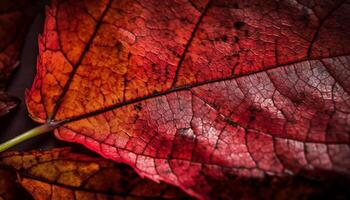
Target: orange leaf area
(61,174)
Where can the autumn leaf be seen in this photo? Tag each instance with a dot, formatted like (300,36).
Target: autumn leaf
(192,91)
(61,174)
(15,18)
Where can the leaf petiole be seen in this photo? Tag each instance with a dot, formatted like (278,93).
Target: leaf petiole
(45,128)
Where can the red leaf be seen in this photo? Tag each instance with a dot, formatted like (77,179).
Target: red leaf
(193,90)
(62,174)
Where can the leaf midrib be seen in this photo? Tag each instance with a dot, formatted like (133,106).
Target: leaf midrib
(173,88)
(78,63)
(183,88)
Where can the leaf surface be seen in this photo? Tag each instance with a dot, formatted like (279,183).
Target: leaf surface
(61,174)
(188,91)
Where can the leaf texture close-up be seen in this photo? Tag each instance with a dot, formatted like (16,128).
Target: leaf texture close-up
(203,93)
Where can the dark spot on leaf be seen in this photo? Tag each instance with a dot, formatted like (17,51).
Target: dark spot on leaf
(232,123)
(297,100)
(305,17)
(119,10)
(252,118)
(238,25)
(183,19)
(236,39)
(224,38)
(253,111)
(138,107)
(153,65)
(119,46)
